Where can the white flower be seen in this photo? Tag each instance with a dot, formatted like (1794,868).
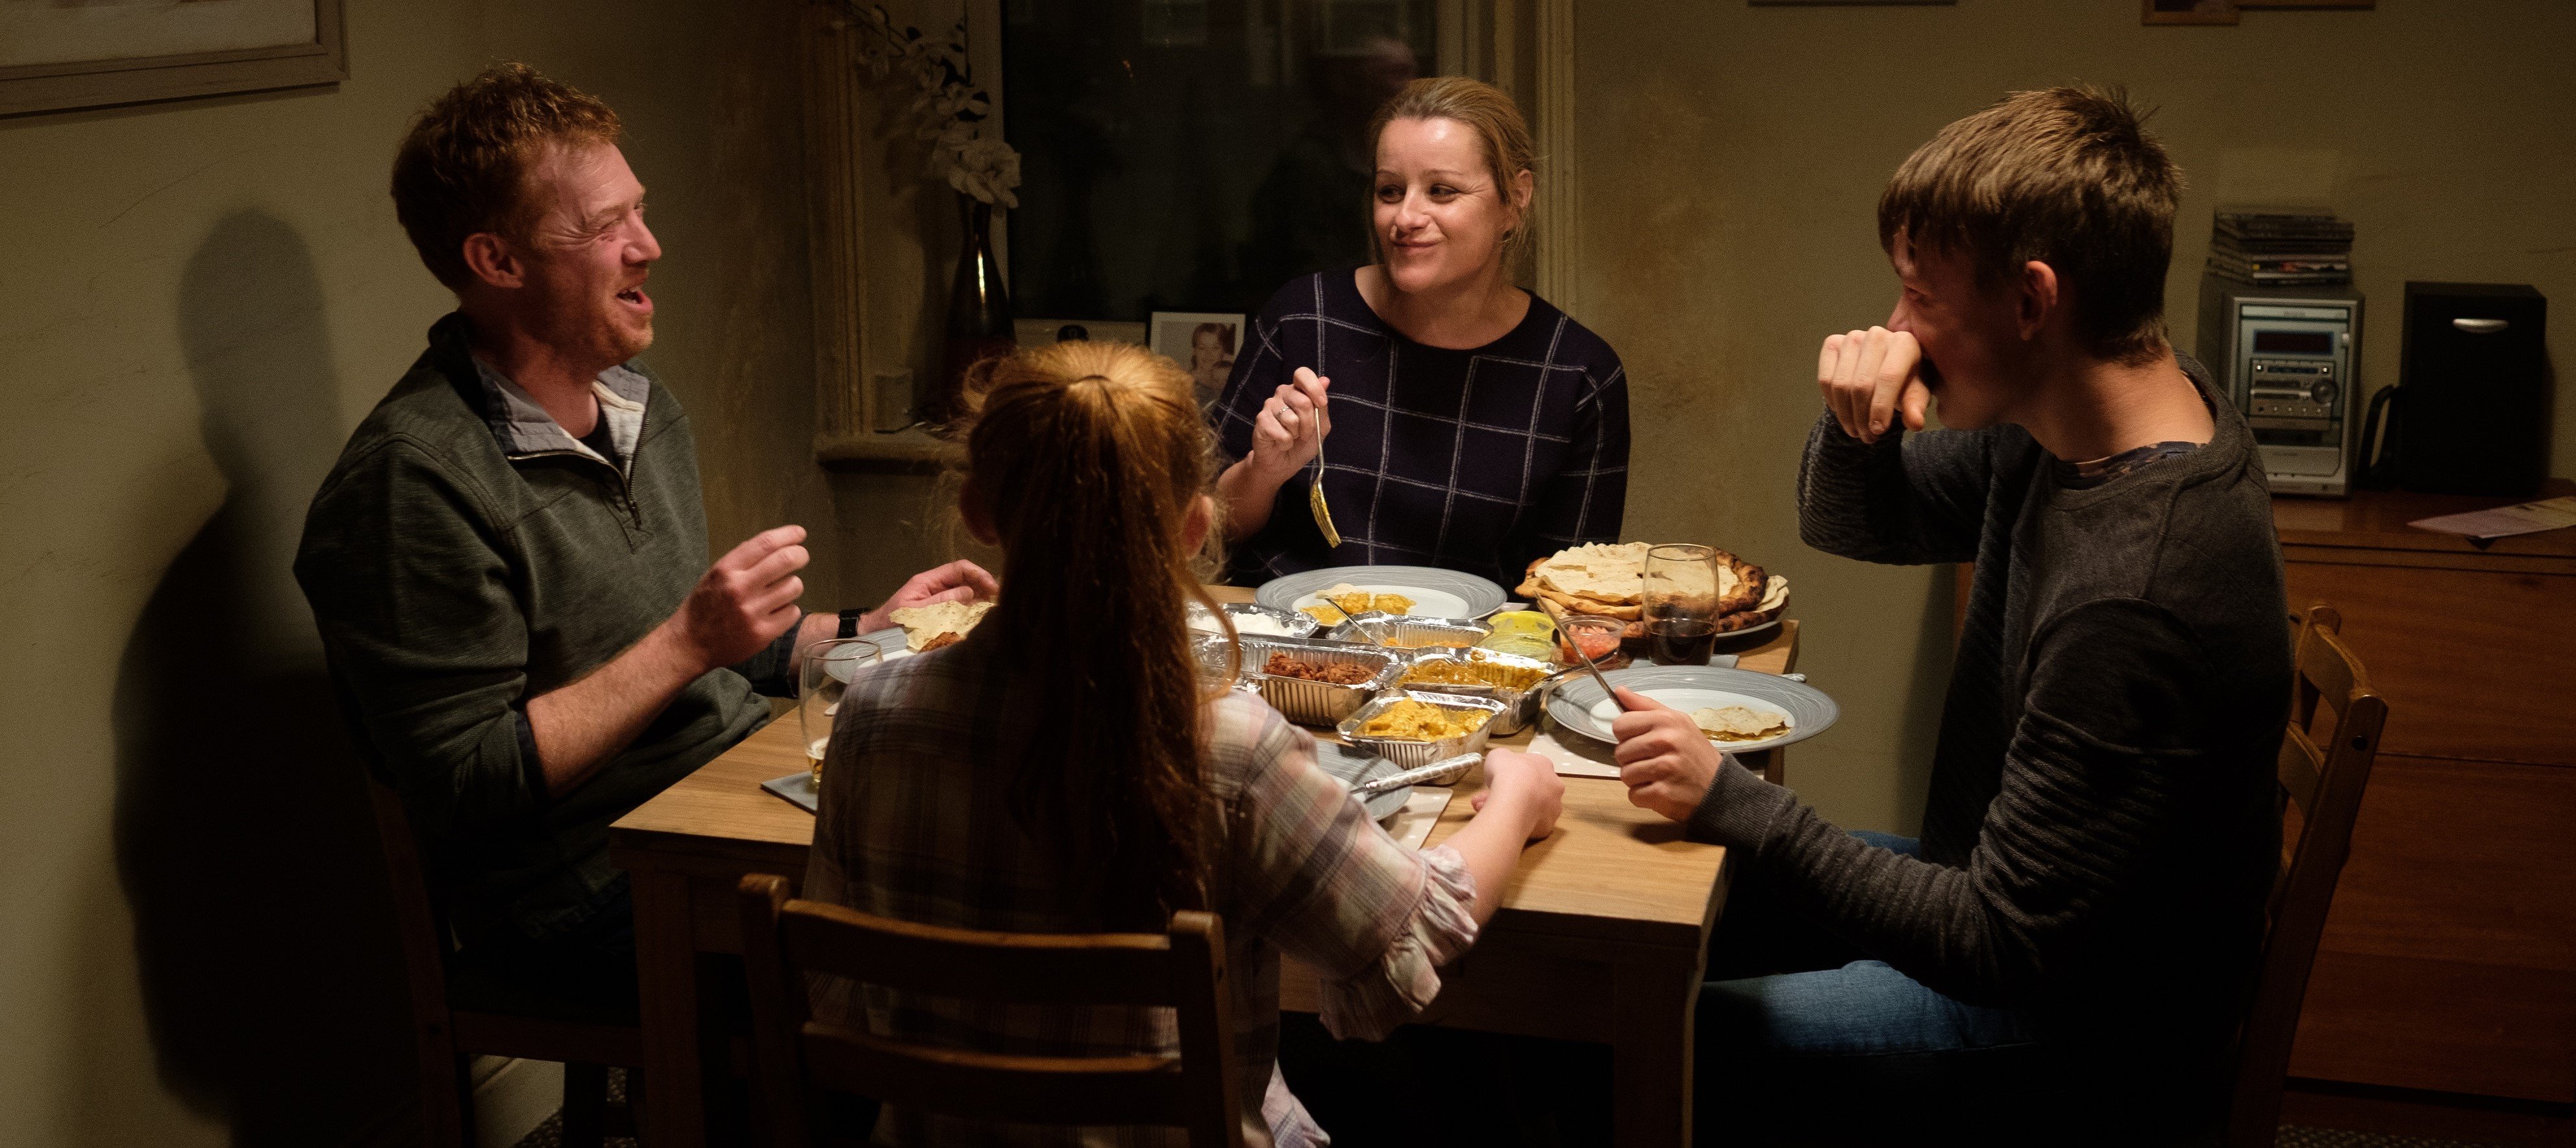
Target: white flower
(947,112)
(984,168)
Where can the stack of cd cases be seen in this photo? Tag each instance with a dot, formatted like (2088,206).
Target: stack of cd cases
(2281,250)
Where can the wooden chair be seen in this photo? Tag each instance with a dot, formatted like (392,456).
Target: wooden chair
(797,1062)
(2324,764)
(462,1012)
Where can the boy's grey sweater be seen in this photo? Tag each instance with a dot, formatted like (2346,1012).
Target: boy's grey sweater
(2101,830)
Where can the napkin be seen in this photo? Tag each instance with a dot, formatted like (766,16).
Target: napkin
(1581,758)
(1412,824)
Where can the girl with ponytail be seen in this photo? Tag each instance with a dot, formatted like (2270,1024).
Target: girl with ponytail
(1066,769)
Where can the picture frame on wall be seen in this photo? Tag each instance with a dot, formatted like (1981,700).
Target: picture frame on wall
(1204,343)
(2188,11)
(59,57)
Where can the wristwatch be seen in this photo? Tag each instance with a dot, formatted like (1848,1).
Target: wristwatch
(850,623)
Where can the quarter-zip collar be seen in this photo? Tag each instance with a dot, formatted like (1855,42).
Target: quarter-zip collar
(524,427)
(519,421)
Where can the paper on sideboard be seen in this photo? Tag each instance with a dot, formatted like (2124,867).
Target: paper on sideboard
(2504,521)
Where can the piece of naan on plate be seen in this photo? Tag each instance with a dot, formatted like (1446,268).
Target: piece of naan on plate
(1739,723)
(927,628)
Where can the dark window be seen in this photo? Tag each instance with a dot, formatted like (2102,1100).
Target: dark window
(1193,155)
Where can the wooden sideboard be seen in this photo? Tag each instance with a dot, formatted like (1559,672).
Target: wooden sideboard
(2449,962)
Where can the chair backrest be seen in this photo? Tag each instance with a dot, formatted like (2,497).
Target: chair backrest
(798,1060)
(2335,719)
(423,927)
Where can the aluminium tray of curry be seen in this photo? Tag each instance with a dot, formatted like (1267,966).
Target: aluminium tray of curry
(1525,702)
(1301,700)
(1290,623)
(1410,631)
(1407,753)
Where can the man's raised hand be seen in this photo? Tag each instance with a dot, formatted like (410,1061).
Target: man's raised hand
(744,601)
(958,581)
(1870,377)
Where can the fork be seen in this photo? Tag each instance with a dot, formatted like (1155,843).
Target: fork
(1315,502)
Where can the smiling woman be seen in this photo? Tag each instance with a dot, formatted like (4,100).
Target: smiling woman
(1480,427)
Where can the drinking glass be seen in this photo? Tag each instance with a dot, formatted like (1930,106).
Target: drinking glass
(829,666)
(1680,605)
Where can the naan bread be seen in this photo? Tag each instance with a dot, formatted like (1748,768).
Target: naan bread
(1611,573)
(927,628)
(1609,580)
(1739,723)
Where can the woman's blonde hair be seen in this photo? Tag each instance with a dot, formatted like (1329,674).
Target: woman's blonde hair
(1498,125)
(1088,458)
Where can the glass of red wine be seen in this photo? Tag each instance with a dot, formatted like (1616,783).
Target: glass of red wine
(1680,604)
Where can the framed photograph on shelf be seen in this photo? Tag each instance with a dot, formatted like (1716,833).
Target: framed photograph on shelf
(1203,343)
(2189,11)
(60,56)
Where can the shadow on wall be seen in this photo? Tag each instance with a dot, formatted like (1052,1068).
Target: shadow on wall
(1919,729)
(271,974)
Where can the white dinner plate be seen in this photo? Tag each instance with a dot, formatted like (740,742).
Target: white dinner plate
(1607,711)
(1356,766)
(1579,705)
(891,644)
(1436,593)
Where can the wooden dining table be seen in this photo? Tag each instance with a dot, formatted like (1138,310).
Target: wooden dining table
(1602,933)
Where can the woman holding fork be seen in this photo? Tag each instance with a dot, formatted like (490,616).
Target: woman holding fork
(1479,428)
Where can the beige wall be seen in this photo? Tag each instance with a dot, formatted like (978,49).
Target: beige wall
(1733,155)
(200,299)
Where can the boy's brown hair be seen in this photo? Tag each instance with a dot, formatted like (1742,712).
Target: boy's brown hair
(2066,176)
(463,166)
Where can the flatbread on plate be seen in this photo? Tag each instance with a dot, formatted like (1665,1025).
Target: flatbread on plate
(1739,723)
(927,628)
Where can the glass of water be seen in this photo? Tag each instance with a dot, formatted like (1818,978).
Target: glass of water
(829,666)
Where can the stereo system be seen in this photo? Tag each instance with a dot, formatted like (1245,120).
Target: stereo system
(2287,361)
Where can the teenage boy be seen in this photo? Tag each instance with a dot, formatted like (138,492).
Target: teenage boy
(2088,890)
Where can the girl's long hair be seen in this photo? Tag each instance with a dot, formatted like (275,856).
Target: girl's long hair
(1088,458)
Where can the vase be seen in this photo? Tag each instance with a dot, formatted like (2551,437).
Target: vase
(979,312)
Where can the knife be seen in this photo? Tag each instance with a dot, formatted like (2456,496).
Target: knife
(1441,772)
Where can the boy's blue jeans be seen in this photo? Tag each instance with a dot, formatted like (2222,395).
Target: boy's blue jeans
(1836,1048)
